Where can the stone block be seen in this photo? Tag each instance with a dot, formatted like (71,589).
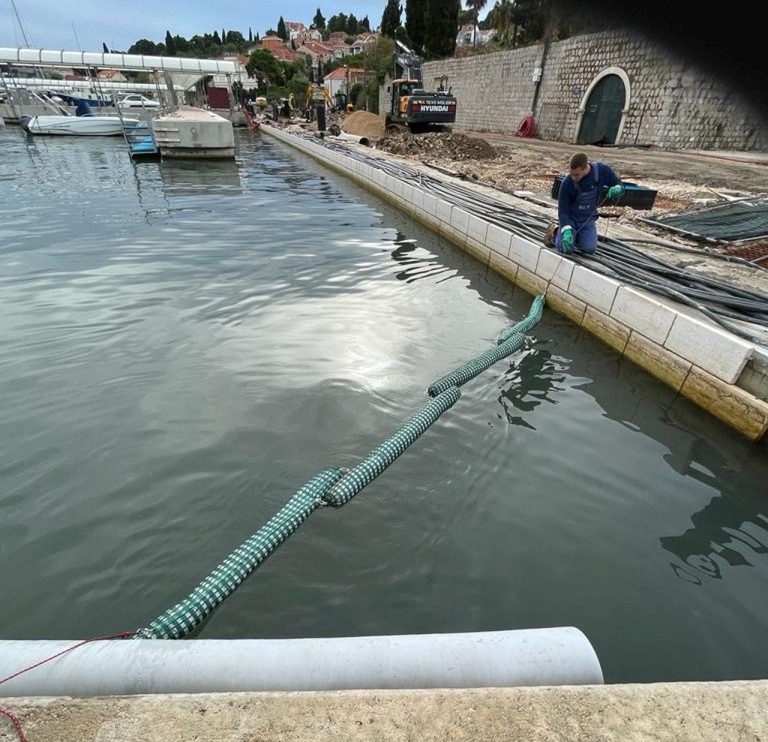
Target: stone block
(596,290)
(610,331)
(477,229)
(715,350)
(524,252)
(430,204)
(730,404)
(503,266)
(498,239)
(555,268)
(565,304)
(644,313)
(532,283)
(443,211)
(657,360)
(460,220)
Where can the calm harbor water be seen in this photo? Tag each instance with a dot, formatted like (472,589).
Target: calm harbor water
(183,345)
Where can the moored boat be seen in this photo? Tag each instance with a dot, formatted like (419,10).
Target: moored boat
(84,123)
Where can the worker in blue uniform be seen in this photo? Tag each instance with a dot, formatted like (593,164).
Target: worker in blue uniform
(578,200)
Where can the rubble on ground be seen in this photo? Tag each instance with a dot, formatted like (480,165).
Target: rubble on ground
(453,147)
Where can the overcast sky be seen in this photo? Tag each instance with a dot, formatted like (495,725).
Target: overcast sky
(48,23)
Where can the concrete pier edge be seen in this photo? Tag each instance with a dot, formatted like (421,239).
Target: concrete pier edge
(717,370)
(673,712)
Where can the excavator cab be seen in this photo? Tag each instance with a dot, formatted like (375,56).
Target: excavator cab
(412,107)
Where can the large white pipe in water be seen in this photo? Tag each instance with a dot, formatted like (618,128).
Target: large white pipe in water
(556,656)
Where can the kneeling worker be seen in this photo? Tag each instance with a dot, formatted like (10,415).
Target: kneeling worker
(578,200)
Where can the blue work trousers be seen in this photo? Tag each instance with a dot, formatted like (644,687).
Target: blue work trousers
(584,237)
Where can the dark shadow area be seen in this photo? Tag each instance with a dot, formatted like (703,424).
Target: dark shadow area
(728,43)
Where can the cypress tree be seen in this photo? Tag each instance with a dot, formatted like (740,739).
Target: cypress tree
(442,26)
(415,24)
(170,45)
(282,32)
(391,18)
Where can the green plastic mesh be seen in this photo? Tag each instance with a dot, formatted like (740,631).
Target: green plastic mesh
(526,325)
(477,365)
(380,458)
(190,612)
(331,487)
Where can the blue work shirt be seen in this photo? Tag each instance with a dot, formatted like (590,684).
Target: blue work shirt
(577,202)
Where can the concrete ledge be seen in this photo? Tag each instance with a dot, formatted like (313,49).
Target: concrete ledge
(673,712)
(666,339)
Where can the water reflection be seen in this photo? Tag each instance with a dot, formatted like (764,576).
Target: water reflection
(184,178)
(530,381)
(732,529)
(421,264)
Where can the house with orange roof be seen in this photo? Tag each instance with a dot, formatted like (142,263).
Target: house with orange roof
(343,79)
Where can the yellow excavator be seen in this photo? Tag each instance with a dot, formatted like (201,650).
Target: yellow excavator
(412,107)
(316,94)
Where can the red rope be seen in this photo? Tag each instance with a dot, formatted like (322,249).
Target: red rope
(15,723)
(14,720)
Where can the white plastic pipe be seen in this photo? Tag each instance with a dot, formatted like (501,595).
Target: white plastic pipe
(354,138)
(557,656)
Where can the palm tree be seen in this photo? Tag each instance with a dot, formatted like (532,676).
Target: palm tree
(503,19)
(477,6)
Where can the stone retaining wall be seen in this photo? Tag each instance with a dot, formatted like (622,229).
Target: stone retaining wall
(669,103)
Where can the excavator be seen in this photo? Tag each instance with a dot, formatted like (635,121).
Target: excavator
(413,108)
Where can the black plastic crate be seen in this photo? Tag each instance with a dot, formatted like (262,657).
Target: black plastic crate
(634,196)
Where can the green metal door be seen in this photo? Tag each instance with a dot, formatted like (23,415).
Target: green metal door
(602,116)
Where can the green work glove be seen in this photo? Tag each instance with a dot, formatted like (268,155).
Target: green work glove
(567,239)
(615,191)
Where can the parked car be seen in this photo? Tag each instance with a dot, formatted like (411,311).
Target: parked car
(137,101)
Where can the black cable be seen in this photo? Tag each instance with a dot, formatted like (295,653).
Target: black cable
(713,297)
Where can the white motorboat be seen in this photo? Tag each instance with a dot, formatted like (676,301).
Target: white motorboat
(84,123)
(91,125)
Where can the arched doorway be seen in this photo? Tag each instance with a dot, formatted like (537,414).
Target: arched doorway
(604,109)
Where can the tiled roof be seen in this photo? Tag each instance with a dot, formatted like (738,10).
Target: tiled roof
(340,73)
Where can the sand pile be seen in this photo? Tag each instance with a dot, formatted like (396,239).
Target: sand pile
(446,146)
(364,124)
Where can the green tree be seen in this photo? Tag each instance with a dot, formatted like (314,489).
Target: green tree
(364,25)
(415,22)
(442,25)
(181,45)
(263,66)
(338,23)
(501,18)
(378,62)
(143,46)
(170,45)
(352,25)
(216,39)
(390,20)
(318,21)
(282,32)
(530,17)
(250,35)
(475,6)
